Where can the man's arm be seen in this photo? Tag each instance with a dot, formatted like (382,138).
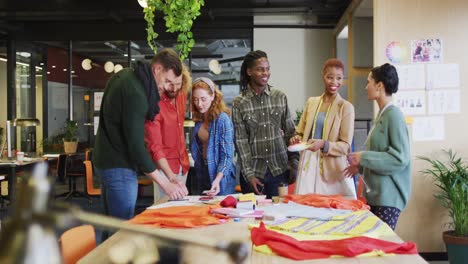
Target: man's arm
(133,120)
(242,141)
(174,190)
(154,144)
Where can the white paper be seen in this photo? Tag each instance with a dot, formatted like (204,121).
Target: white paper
(411,102)
(96,124)
(98,100)
(444,101)
(429,128)
(411,76)
(443,76)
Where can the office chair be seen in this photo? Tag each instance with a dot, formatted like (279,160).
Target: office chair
(76,242)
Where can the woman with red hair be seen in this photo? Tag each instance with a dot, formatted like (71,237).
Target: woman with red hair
(212,140)
(327,124)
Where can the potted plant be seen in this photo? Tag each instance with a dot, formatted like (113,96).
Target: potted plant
(70,140)
(451,177)
(179,16)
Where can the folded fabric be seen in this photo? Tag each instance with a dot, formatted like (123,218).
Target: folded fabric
(292,209)
(327,201)
(179,216)
(355,223)
(289,247)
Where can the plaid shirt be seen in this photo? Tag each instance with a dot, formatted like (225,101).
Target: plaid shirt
(219,153)
(262,129)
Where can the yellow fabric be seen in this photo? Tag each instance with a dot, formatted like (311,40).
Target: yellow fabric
(359,223)
(247,197)
(356,223)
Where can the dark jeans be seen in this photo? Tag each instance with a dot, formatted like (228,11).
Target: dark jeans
(270,182)
(387,214)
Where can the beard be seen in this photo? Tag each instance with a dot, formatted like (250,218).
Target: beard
(171,94)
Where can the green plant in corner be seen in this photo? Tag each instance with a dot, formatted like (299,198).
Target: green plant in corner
(451,177)
(179,16)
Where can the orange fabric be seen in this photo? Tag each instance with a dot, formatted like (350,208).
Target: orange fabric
(77,242)
(292,248)
(327,201)
(360,190)
(179,216)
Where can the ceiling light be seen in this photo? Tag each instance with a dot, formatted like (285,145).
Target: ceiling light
(86,64)
(143,3)
(109,66)
(117,68)
(214,66)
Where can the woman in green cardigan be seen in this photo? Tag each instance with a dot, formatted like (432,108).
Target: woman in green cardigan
(386,162)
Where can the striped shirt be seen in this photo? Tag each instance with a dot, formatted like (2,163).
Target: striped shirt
(262,129)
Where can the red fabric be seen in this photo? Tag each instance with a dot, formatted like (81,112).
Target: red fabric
(164,136)
(229,202)
(178,216)
(327,201)
(289,247)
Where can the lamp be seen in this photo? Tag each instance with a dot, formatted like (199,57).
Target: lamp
(21,122)
(214,66)
(143,3)
(109,66)
(117,68)
(86,64)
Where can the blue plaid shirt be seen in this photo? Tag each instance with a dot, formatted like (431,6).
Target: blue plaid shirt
(219,152)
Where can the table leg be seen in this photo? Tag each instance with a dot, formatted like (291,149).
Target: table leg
(11,183)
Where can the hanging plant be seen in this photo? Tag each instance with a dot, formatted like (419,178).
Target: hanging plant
(179,16)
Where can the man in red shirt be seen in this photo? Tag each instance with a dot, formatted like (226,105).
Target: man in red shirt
(164,136)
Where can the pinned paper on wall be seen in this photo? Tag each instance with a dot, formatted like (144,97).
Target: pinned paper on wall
(429,128)
(443,76)
(426,50)
(411,76)
(96,124)
(98,100)
(444,101)
(411,102)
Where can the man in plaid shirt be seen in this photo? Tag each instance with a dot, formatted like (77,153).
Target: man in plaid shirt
(262,128)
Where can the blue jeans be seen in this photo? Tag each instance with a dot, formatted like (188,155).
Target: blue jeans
(119,190)
(270,182)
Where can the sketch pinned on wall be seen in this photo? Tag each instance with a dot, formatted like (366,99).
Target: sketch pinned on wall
(428,128)
(426,50)
(98,100)
(444,101)
(411,102)
(411,77)
(96,124)
(442,76)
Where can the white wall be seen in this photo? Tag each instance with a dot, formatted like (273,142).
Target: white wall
(424,219)
(296,57)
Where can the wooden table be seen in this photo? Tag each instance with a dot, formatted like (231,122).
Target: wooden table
(236,231)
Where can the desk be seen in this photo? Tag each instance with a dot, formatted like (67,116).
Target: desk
(237,231)
(10,166)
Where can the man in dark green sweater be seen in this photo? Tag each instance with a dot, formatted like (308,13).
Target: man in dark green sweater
(131,97)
